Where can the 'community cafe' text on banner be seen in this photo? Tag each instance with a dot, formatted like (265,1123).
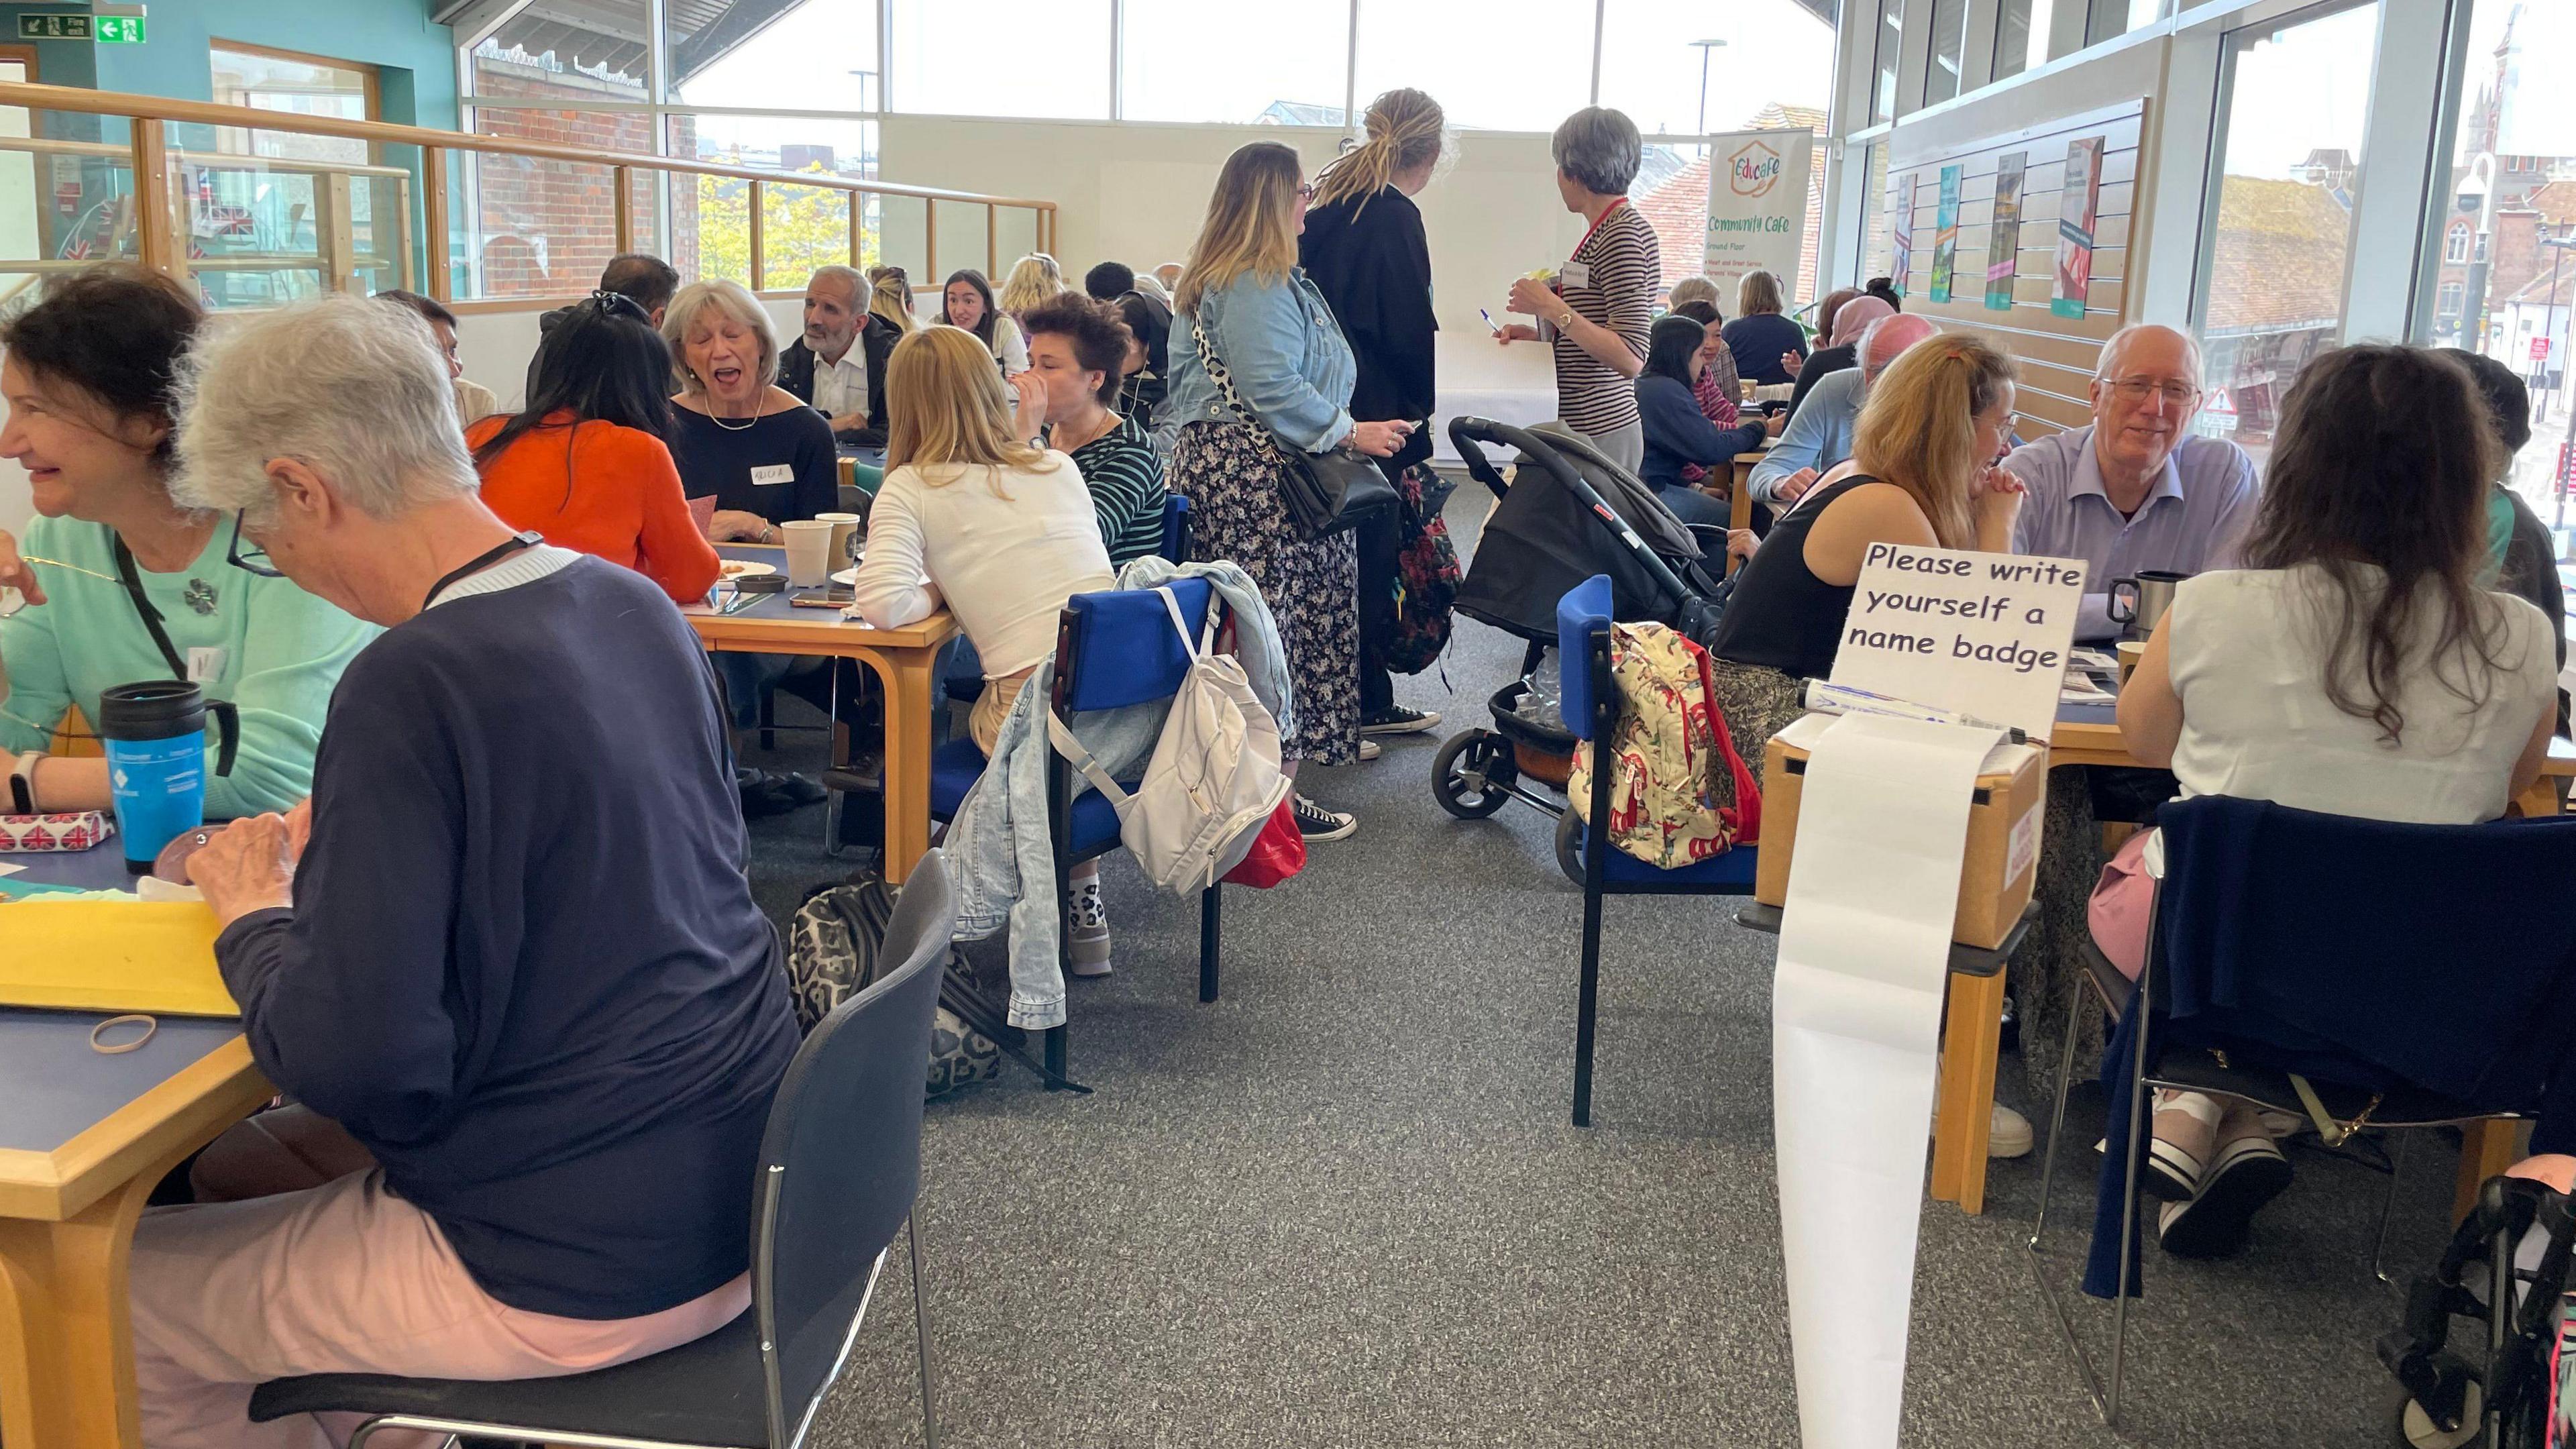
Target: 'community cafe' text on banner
(1945,235)
(2077,199)
(1985,634)
(1757,204)
(2003,238)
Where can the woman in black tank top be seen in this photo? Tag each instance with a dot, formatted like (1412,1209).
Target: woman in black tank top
(1923,457)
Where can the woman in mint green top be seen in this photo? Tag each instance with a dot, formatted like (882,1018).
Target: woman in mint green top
(87,378)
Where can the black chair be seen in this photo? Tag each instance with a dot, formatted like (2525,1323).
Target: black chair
(1112,649)
(839,1171)
(1591,705)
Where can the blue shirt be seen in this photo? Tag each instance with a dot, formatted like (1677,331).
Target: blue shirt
(2192,521)
(1286,355)
(1819,435)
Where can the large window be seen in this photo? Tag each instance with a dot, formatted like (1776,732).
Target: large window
(1514,65)
(1289,63)
(1685,70)
(1026,57)
(2280,251)
(818,55)
(2021,36)
(1890,48)
(1949,42)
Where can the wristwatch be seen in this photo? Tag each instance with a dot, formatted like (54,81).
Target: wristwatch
(22,782)
(1565,321)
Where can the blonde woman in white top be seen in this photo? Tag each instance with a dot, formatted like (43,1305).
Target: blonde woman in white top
(2358,666)
(1003,527)
(1035,279)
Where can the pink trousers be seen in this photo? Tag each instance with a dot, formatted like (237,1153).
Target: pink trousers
(333,1274)
(2118,909)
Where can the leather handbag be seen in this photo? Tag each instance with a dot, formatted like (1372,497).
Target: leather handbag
(1325,493)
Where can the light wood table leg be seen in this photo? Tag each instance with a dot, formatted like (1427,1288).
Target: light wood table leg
(66,1336)
(1969,1041)
(2487,1147)
(912,693)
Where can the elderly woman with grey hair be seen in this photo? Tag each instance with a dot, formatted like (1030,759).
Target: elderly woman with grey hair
(757,447)
(1601,304)
(505,961)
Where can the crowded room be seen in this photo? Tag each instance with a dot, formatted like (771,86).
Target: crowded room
(816,724)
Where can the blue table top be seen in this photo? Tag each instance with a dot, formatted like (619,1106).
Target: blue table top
(55,1087)
(99,868)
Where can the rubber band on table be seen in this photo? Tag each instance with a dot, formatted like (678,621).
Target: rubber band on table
(131,1018)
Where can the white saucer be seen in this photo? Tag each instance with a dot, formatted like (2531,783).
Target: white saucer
(735,568)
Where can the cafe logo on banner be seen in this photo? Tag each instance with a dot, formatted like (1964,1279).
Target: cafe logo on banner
(1753,171)
(1985,634)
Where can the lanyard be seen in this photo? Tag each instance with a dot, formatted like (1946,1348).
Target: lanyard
(482,561)
(1596,226)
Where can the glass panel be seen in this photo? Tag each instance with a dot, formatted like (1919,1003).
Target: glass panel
(948,55)
(263,231)
(545,228)
(2111,19)
(66,196)
(1687,70)
(1288,69)
(2021,36)
(296,85)
(2281,250)
(2506,283)
(1949,39)
(820,54)
(901,235)
(1016,228)
(722,210)
(801,228)
(1521,65)
(1891,46)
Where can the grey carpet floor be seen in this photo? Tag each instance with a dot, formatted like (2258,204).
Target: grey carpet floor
(1344,1206)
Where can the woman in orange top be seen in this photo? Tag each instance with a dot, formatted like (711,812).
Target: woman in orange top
(586,464)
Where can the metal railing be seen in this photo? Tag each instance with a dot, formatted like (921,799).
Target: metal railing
(156,222)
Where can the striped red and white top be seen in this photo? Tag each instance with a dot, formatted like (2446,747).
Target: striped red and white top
(1621,269)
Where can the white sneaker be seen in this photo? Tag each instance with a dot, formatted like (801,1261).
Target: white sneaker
(2008,1133)
(1371,749)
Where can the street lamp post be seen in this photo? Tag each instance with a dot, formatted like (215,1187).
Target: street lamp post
(1705,49)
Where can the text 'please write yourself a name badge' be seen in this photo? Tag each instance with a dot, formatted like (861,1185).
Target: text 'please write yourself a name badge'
(1982,633)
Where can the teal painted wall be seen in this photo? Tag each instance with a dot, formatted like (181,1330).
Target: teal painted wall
(418,59)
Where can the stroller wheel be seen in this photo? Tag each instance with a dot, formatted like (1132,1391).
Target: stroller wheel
(1470,775)
(2416,1429)
(1569,834)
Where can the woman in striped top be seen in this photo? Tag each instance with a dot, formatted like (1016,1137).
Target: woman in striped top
(1079,346)
(1602,303)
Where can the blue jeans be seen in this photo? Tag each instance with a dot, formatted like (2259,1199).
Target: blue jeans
(746,678)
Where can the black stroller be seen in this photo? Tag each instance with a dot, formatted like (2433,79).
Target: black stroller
(2504,1271)
(1572,513)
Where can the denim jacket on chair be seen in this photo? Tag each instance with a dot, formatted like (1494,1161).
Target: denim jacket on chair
(1285,352)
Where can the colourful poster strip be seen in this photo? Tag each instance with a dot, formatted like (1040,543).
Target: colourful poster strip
(1945,235)
(2003,238)
(2077,199)
(1900,233)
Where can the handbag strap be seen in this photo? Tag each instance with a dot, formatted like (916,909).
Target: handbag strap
(1070,745)
(1224,381)
(143,606)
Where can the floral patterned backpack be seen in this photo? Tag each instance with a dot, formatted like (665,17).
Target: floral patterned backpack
(1679,793)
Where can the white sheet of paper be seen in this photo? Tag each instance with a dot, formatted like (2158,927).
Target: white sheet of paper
(8,869)
(1856,1026)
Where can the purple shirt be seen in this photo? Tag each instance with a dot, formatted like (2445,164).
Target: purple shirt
(2192,520)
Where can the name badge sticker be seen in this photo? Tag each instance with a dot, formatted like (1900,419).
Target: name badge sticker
(1574,274)
(205,666)
(774,473)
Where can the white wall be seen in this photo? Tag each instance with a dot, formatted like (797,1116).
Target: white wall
(1136,193)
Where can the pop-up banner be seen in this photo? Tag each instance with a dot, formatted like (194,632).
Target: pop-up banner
(1757,205)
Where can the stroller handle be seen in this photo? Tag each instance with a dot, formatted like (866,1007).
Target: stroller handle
(1466,432)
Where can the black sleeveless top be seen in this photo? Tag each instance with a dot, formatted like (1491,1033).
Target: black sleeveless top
(1781,615)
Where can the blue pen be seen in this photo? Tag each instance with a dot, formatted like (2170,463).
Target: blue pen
(1489,321)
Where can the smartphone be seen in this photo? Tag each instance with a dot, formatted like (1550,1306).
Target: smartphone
(827,599)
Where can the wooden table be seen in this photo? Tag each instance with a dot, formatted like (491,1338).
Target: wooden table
(83,1139)
(905,660)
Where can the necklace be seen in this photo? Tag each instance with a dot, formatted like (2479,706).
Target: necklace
(714,417)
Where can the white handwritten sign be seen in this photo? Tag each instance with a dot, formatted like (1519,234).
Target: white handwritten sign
(1982,633)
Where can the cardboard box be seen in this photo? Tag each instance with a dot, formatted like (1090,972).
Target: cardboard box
(2002,862)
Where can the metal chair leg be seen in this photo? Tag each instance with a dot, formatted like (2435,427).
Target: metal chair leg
(2379,1238)
(1586,1003)
(921,1332)
(1208,941)
(1055,1052)
(2128,1224)
(2056,1131)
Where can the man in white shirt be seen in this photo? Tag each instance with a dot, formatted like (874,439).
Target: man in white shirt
(827,367)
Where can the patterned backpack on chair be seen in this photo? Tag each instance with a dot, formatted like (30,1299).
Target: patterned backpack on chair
(832,955)
(1679,793)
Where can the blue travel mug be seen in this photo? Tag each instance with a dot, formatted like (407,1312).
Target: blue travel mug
(155,734)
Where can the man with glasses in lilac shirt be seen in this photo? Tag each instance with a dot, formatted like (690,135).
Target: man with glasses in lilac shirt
(2132,490)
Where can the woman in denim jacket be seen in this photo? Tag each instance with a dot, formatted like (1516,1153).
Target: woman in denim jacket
(1246,300)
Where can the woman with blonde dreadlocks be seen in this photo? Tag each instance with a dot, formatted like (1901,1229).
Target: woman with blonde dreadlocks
(1364,249)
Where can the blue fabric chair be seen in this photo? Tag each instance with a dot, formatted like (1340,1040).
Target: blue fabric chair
(2414,976)
(1112,649)
(838,1175)
(1591,708)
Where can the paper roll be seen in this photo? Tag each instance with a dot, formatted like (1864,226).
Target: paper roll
(1856,1027)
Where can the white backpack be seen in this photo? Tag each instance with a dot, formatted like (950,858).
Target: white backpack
(1214,779)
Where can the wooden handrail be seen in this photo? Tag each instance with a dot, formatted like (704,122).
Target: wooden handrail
(158,112)
(220,160)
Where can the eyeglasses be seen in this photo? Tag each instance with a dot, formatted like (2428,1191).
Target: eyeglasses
(2135,390)
(252,561)
(1305,192)
(11,601)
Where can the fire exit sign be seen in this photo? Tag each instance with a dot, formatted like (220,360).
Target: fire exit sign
(67,25)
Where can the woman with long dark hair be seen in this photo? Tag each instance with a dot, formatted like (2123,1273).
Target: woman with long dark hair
(1678,433)
(2357,665)
(588,462)
(967,302)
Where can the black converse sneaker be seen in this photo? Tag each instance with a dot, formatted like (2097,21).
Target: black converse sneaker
(1395,719)
(1317,823)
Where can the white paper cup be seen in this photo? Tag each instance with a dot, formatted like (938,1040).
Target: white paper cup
(809,552)
(844,527)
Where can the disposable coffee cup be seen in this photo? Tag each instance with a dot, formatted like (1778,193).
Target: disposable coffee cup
(845,526)
(155,738)
(2130,652)
(809,552)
